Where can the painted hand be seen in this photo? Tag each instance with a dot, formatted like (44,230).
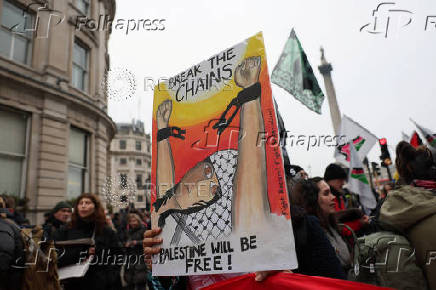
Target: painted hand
(247,73)
(163,114)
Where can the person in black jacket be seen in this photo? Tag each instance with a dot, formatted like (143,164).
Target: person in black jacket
(58,217)
(88,220)
(12,255)
(136,270)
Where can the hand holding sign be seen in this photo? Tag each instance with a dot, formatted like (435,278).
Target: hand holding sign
(150,240)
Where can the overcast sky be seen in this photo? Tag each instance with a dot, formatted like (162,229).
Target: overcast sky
(380,82)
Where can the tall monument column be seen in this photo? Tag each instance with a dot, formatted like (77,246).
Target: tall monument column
(325,68)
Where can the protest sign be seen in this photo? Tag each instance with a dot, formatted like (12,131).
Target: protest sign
(220,194)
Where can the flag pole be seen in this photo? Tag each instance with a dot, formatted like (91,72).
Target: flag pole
(411,120)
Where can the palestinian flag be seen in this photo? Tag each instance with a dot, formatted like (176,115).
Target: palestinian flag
(351,131)
(358,183)
(359,174)
(294,74)
(429,135)
(345,149)
(415,141)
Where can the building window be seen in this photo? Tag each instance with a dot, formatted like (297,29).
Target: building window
(77,163)
(138,180)
(123,180)
(80,66)
(140,198)
(13,151)
(139,162)
(138,145)
(123,144)
(16,33)
(83,6)
(123,161)
(147,182)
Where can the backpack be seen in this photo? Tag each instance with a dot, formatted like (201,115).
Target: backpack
(387,259)
(41,261)
(11,255)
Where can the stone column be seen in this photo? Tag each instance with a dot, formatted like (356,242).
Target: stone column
(325,69)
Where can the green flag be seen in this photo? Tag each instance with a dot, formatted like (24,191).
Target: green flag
(294,74)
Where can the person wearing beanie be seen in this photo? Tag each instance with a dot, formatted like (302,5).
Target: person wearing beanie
(294,173)
(59,216)
(336,176)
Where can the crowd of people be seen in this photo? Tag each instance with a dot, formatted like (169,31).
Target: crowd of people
(328,222)
(85,231)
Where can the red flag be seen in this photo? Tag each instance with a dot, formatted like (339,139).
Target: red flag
(415,141)
(290,281)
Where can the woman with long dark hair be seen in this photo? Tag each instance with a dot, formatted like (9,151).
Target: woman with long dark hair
(88,221)
(321,203)
(316,256)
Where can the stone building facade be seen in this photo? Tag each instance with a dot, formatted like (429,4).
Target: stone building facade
(54,128)
(131,161)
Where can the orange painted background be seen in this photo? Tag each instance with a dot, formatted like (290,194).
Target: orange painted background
(201,139)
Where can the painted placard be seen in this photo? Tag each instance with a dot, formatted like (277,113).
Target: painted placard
(220,194)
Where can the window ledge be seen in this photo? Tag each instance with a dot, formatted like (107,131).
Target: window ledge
(28,68)
(82,93)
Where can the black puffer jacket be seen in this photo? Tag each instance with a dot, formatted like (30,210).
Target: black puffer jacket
(51,226)
(104,270)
